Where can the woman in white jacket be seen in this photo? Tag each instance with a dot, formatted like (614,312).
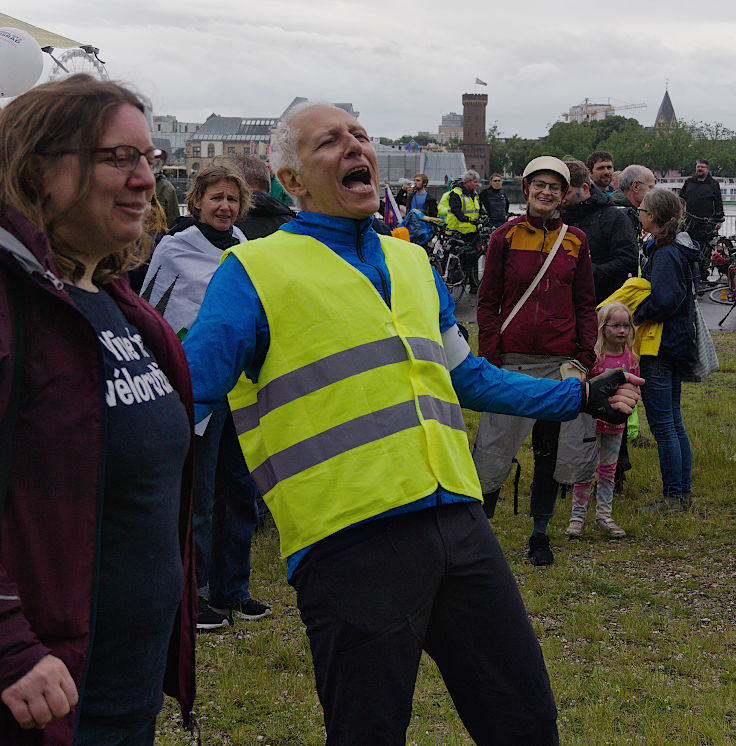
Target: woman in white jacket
(224,502)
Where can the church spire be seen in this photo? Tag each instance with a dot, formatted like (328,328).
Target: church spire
(666,115)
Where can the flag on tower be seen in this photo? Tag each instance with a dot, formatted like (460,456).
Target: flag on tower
(478,81)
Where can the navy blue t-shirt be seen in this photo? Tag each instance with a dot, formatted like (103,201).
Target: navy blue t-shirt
(140,579)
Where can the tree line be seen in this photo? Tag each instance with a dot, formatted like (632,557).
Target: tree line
(662,150)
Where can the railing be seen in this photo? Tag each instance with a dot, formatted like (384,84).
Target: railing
(729,226)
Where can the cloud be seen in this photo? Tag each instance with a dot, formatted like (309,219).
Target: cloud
(404,65)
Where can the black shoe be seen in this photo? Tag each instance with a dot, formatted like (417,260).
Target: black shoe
(539,551)
(665,505)
(249,609)
(687,502)
(208,618)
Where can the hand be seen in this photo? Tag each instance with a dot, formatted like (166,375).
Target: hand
(612,395)
(45,693)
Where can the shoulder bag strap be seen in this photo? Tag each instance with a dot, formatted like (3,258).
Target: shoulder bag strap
(7,426)
(524,298)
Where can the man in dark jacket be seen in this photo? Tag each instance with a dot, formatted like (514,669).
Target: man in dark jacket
(166,196)
(611,236)
(702,196)
(495,202)
(267,213)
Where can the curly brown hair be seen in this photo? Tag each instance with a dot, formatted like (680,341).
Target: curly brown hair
(43,124)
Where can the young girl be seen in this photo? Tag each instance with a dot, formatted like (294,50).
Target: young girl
(613,349)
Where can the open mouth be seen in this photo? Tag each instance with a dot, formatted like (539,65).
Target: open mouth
(358,180)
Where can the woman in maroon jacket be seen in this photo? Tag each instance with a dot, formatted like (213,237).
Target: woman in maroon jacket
(556,324)
(97,595)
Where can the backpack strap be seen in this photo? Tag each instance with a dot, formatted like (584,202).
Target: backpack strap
(7,426)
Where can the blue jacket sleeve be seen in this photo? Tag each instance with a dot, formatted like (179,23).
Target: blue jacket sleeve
(229,336)
(486,388)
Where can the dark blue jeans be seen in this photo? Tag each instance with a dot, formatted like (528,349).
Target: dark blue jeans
(661,396)
(225,513)
(92,734)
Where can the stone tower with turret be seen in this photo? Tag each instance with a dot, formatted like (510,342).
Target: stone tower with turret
(474,145)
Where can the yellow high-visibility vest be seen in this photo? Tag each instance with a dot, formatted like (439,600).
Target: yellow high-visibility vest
(354,411)
(471,210)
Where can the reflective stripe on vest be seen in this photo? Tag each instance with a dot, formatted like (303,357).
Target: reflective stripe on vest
(331,369)
(354,412)
(471,210)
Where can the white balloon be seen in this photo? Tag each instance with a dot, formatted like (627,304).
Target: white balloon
(21,61)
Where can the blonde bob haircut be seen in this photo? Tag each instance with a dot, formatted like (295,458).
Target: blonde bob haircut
(211,175)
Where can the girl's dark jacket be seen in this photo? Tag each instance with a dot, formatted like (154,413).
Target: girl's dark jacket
(670,270)
(49,525)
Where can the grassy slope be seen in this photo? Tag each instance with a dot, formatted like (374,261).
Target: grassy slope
(639,635)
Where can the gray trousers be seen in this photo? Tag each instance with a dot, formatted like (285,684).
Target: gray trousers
(562,453)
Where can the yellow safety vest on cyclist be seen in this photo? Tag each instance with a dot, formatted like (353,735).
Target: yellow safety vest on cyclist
(351,391)
(471,210)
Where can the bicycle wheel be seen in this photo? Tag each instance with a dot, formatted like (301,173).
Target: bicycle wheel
(454,277)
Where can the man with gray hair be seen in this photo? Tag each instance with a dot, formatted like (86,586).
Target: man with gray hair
(463,220)
(633,183)
(346,372)
(266,214)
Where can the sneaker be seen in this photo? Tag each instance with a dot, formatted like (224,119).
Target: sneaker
(665,505)
(248,608)
(574,529)
(687,502)
(208,618)
(539,552)
(608,527)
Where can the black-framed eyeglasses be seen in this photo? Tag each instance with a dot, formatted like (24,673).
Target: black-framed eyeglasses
(126,157)
(642,209)
(542,185)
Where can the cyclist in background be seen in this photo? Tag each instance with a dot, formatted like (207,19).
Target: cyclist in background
(495,202)
(462,219)
(702,196)
(417,197)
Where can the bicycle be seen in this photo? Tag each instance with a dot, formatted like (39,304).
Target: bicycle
(704,232)
(448,255)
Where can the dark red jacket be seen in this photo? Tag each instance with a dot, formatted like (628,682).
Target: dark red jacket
(559,318)
(49,527)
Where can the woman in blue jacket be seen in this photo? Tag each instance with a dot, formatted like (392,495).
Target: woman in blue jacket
(670,270)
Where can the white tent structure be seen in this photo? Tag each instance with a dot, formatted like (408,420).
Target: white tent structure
(67,55)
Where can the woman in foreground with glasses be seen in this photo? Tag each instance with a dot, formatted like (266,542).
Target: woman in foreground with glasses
(670,269)
(556,324)
(96,575)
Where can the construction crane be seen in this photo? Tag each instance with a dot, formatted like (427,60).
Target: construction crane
(589,110)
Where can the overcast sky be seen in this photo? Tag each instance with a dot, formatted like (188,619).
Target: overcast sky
(404,64)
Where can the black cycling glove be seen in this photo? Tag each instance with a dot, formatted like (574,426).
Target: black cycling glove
(596,403)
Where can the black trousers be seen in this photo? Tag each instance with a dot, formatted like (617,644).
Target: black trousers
(374,596)
(544,488)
